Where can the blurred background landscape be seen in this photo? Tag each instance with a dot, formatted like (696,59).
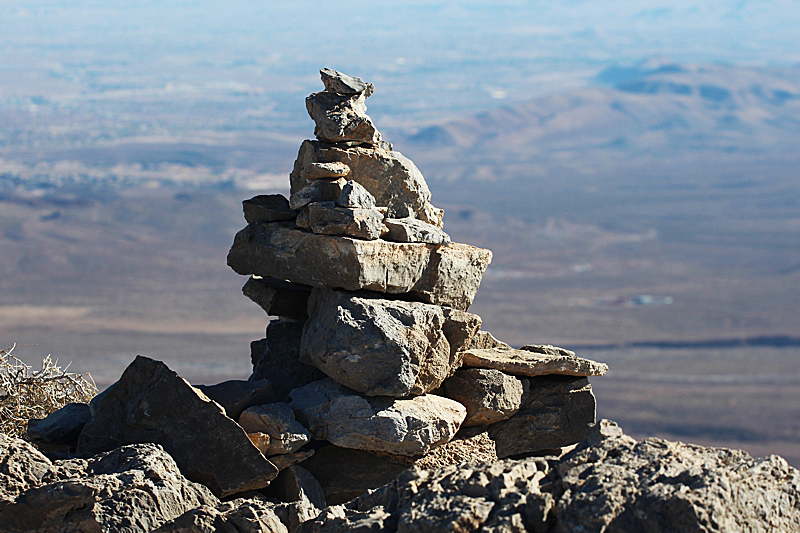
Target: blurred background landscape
(633,167)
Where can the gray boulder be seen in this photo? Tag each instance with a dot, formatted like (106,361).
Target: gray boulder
(277,420)
(441,275)
(131,489)
(59,431)
(389,176)
(410,229)
(318,190)
(267,208)
(545,360)
(277,297)
(337,82)
(354,195)
(327,219)
(236,395)
(488,395)
(409,427)
(151,403)
(277,359)
(341,118)
(383,347)
(555,411)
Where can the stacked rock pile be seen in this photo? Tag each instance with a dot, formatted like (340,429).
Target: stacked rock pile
(373,349)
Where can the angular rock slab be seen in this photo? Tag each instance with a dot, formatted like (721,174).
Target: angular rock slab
(341,118)
(130,489)
(151,403)
(441,275)
(278,297)
(408,427)
(412,230)
(389,176)
(382,347)
(530,363)
(60,430)
(556,411)
(353,222)
(489,395)
(267,208)
(236,395)
(340,83)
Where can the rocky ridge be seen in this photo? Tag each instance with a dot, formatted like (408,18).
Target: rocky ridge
(376,403)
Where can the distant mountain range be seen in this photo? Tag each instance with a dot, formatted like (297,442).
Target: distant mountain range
(663,114)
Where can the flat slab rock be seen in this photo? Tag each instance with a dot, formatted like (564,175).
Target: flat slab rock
(534,361)
(131,489)
(441,275)
(408,427)
(384,347)
(151,403)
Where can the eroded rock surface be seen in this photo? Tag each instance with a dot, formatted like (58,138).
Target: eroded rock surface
(277,420)
(547,360)
(488,395)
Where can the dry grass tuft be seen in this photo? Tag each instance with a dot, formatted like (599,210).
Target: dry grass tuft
(26,393)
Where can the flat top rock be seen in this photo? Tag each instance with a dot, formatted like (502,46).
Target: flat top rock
(530,363)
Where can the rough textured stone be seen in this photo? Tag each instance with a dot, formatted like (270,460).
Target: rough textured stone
(410,427)
(383,347)
(253,515)
(345,473)
(341,118)
(354,222)
(442,275)
(267,208)
(314,171)
(483,340)
(337,82)
(21,467)
(556,411)
(151,403)
(277,297)
(389,176)
(464,448)
(131,489)
(236,395)
(410,229)
(276,420)
(489,395)
(548,360)
(297,484)
(319,190)
(59,431)
(277,359)
(355,195)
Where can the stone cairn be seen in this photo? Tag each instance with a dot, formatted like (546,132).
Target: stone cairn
(374,351)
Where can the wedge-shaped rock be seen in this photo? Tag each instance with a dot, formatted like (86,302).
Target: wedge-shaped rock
(489,395)
(410,229)
(236,395)
(408,427)
(340,83)
(151,403)
(483,340)
(267,208)
(132,489)
(341,118)
(319,190)
(277,297)
(355,195)
(555,411)
(286,435)
(353,222)
(384,347)
(548,360)
(59,431)
(442,275)
(389,176)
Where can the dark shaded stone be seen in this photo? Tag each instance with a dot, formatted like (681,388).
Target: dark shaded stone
(151,403)
(277,297)
(267,208)
(295,483)
(236,395)
(556,411)
(59,431)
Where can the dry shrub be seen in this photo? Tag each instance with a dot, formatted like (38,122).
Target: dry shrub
(26,393)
